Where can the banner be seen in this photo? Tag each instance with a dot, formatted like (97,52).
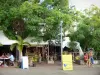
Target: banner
(67,62)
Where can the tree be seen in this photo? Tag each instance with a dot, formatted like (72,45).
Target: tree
(7,16)
(19,45)
(60,11)
(88,29)
(1,44)
(24,19)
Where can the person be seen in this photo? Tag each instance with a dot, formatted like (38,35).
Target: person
(55,56)
(3,55)
(1,61)
(11,57)
(34,59)
(86,58)
(77,58)
(91,60)
(40,57)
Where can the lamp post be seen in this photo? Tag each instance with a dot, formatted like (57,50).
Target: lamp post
(61,22)
(16,48)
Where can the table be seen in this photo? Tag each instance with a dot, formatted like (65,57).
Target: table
(4,60)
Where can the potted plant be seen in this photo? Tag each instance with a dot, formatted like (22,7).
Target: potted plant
(96,60)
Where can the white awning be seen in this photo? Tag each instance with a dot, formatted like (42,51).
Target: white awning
(29,39)
(4,40)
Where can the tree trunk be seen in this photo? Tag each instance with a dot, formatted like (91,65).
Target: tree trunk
(20,56)
(48,52)
(81,53)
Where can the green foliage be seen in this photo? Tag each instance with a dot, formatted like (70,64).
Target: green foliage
(72,45)
(61,4)
(19,44)
(1,44)
(88,30)
(8,13)
(6,4)
(31,13)
(65,52)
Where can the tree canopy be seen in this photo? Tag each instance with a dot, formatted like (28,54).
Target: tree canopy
(88,29)
(30,18)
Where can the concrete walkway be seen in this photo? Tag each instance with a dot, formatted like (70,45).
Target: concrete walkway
(51,70)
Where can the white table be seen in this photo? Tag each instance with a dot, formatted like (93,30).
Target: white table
(4,60)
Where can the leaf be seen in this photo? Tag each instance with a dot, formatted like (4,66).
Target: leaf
(13,46)
(19,39)
(72,45)
(26,43)
(1,44)
(20,47)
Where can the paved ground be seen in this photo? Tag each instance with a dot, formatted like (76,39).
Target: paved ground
(51,70)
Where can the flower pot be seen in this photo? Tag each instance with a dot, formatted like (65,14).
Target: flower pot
(96,62)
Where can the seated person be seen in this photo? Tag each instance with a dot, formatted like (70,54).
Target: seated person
(3,55)
(11,57)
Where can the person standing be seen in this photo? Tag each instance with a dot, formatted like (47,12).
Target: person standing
(40,57)
(91,60)
(86,58)
(77,59)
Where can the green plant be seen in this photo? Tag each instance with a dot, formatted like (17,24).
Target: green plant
(1,44)
(88,29)
(19,45)
(65,52)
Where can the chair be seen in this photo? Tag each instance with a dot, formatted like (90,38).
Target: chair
(1,62)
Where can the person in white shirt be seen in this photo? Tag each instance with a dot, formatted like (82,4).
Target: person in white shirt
(11,57)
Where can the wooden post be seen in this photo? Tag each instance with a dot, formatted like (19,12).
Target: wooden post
(43,51)
(48,52)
